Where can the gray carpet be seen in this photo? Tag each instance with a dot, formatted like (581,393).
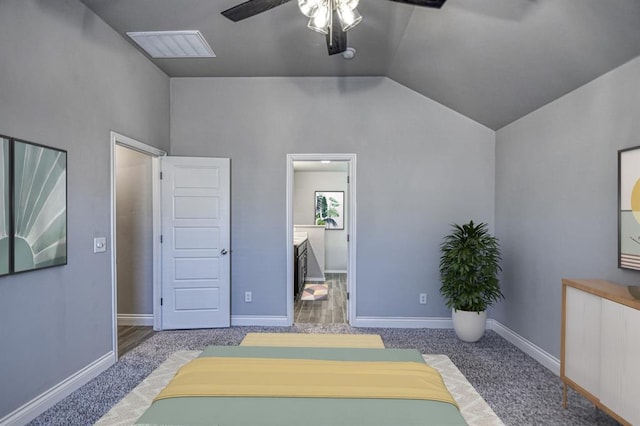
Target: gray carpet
(520,391)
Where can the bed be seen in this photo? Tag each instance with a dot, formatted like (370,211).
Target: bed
(258,365)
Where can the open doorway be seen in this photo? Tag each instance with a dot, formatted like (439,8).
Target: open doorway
(321,225)
(133,239)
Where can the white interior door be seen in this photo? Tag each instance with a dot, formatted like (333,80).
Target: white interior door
(195,242)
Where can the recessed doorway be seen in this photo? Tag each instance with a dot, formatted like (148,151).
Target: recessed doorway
(134,239)
(321,238)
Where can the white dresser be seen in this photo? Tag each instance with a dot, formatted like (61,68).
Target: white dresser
(600,348)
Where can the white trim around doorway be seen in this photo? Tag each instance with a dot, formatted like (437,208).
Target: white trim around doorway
(155,154)
(350,159)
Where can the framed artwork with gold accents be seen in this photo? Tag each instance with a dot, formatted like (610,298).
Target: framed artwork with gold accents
(629,208)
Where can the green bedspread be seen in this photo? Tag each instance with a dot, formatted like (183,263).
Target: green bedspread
(266,411)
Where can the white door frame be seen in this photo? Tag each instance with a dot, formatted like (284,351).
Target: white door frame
(350,200)
(155,154)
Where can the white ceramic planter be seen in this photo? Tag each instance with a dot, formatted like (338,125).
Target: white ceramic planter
(469,326)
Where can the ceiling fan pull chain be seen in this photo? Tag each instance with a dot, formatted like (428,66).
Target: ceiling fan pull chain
(331,9)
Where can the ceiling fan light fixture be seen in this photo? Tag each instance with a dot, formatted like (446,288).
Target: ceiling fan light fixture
(324,16)
(309,7)
(349,18)
(320,20)
(321,14)
(320,29)
(351,4)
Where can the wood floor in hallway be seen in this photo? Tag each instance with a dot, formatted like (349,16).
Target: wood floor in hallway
(330,311)
(130,336)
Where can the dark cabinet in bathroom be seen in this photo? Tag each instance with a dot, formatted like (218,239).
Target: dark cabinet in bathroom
(300,267)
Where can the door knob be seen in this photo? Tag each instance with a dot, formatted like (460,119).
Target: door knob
(223,252)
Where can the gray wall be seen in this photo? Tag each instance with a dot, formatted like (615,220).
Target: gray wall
(420,166)
(66,80)
(556,199)
(335,240)
(134,237)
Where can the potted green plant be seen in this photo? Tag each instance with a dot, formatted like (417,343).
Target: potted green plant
(469,268)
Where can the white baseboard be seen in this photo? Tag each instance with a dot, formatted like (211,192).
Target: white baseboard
(267,321)
(57,393)
(135,319)
(402,322)
(335,271)
(531,349)
(314,279)
(540,355)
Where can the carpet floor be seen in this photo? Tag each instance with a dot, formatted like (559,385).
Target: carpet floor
(520,391)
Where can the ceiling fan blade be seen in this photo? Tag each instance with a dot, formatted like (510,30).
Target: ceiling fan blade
(426,3)
(336,39)
(249,8)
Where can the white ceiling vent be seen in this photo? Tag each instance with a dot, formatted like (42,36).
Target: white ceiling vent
(173,44)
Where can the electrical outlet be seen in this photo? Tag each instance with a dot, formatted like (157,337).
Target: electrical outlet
(248,298)
(423,298)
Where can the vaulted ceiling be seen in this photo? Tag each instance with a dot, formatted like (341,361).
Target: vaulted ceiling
(493,61)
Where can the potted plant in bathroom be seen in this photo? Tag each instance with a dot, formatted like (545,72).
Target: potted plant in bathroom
(469,268)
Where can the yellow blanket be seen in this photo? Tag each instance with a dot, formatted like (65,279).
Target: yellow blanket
(302,340)
(300,378)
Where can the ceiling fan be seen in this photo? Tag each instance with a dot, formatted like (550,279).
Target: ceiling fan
(332,15)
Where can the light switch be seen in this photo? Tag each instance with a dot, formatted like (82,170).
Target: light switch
(99,244)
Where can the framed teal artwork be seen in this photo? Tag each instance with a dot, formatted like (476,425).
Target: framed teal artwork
(33,206)
(5,207)
(39,206)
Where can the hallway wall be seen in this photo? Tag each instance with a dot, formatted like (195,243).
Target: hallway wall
(134,237)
